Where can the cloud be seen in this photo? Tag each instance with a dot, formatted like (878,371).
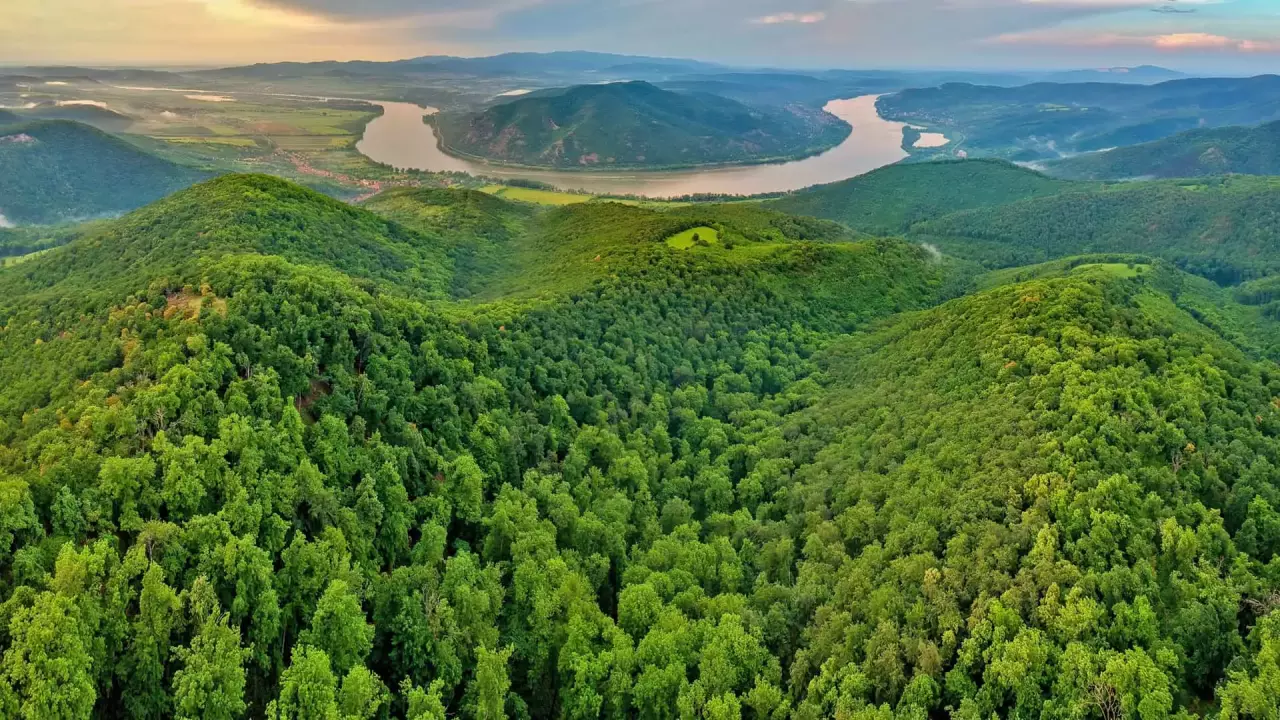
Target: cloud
(1167,42)
(836,33)
(183,32)
(387,8)
(786,18)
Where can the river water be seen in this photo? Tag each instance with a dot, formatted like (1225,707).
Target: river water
(401,139)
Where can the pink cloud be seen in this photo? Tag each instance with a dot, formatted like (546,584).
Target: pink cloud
(1170,42)
(790,17)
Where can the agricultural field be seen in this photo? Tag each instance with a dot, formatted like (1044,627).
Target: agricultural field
(536,196)
(238,128)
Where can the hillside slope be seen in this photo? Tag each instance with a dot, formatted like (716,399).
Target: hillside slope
(892,199)
(234,214)
(1196,153)
(52,171)
(1223,229)
(995,464)
(636,124)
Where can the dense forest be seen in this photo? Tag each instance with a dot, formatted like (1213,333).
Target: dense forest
(263,454)
(637,124)
(56,170)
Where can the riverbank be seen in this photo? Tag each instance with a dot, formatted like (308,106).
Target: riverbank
(400,138)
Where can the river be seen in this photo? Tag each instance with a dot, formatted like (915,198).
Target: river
(401,139)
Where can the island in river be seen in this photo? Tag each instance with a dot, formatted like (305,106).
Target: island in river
(636,126)
(402,139)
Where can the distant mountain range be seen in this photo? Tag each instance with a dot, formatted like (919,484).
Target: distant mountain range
(1045,121)
(1141,75)
(508,64)
(636,124)
(575,62)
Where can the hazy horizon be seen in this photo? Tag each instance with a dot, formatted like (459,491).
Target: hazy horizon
(1013,69)
(1196,36)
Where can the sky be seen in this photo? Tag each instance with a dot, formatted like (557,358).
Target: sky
(1229,36)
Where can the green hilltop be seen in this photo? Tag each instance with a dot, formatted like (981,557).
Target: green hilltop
(263,454)
(636,124)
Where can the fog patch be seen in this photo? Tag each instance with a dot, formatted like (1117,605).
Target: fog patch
(93,103)
(4,222)
(515,93)
(934,253)
(210,98)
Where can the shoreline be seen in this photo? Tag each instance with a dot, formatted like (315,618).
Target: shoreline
(399,138)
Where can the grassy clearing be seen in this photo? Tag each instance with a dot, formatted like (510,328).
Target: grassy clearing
(1116,265)
(1122,270)
(19,259)
(689,238)
(537,197)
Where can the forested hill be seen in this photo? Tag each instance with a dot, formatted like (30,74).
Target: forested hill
(52,171)
(1225,229)
(1044,120)
(1027,508)
(252,482)
(892,199)
(1213,151)
(266,455)
(635,124)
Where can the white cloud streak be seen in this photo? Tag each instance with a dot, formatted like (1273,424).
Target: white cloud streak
(790,18)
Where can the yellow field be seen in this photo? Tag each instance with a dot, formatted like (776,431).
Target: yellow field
(311,143)
(538,197)
(658,204)
(231,141)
